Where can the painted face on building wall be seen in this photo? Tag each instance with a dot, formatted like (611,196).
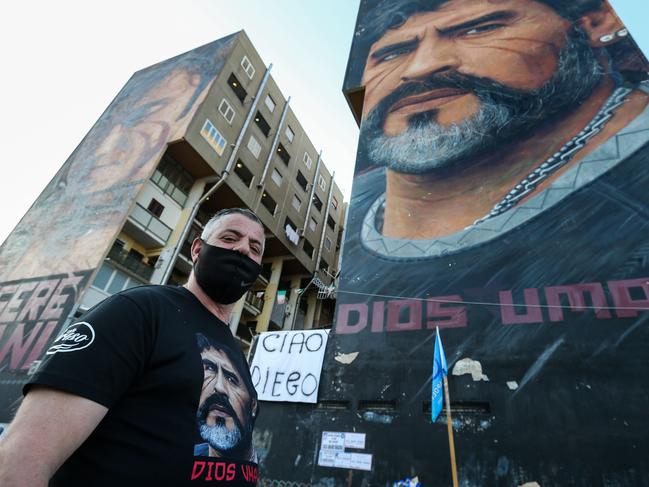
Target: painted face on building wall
(474,108)
(448,84)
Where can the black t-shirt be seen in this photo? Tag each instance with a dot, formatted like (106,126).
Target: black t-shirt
(181,403)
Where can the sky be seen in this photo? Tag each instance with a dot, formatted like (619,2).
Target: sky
(66,60)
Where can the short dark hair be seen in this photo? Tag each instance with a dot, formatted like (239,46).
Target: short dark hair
(235,356)
(209,226)
(390,14)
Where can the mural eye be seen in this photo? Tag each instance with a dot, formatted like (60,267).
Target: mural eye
(483,29)
(394,54)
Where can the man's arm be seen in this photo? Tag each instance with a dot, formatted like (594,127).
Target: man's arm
(49,426)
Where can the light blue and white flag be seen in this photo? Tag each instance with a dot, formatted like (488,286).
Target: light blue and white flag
(440,369)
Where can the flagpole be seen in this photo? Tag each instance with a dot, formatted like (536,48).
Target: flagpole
(449,423)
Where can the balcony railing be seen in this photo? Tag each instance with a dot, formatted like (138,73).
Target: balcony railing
(255,302)
(150,222)
(130,262)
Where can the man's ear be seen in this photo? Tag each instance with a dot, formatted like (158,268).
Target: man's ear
(603,27)
(196,248)
(254,408)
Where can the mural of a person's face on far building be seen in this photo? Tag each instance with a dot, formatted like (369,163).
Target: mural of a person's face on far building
(465,99)
(89,196)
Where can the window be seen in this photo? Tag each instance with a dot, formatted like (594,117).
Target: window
(317,202)
(331,223)
(307,160)
(297,203)
(313,224)
(334,203)
(254,146)
(290,135)
(268,203)
(113,281)
(262,124)
(270,103)
(327,243)
(155,207)
(322,183)
(301,180)
(308,249)
(277,177)
(244,173)
(214,137)
(239,90)
(248,67)
(283,154)
(173,179)
(226,110)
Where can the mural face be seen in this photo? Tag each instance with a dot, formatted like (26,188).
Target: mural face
(500,194)
(74,221)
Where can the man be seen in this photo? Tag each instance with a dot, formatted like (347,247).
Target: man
(466,103)
(115,403)
(228,406)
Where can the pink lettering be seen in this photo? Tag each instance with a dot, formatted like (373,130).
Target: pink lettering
(533,312)
(343,318)
(437,308)
(621,294)
(394,315)
(195,471)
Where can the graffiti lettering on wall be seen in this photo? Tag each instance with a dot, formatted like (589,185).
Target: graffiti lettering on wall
(627,299)
(31,310)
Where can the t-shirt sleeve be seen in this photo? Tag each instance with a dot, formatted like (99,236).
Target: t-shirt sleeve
(101,355)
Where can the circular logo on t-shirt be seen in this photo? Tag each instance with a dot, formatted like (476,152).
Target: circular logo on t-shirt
(75,337)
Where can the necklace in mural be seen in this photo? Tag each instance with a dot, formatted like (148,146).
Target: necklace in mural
(561,157)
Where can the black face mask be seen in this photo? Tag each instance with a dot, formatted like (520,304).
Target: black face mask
(223,274)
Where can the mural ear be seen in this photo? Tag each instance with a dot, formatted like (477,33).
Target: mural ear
(603,27)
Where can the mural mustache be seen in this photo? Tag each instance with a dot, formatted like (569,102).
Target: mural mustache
(504,112)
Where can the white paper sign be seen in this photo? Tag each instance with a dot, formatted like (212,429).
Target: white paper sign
(333,454)
(286,366)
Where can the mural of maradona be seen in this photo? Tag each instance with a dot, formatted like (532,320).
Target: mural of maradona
(480,115)
(88,198)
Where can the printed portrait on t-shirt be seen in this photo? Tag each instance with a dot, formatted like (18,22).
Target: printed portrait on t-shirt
(228,404)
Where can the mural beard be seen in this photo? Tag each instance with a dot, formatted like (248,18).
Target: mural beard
(218,436)
(426,146)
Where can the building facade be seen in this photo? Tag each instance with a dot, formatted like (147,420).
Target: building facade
(206,130)
(246,147)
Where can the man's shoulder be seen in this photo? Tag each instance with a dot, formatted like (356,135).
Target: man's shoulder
(156,292)
(146,299)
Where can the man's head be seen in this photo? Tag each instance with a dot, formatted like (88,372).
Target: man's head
(448,79)
(237,229)
(228,403)
(227,256)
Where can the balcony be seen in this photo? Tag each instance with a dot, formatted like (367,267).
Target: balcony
(253,304)
(129,262)
(147,228)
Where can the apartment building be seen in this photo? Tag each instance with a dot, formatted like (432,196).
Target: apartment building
(243,147)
